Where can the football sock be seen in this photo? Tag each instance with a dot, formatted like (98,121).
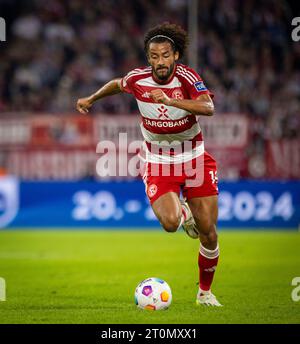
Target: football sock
(207,262)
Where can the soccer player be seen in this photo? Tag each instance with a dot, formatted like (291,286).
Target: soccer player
(170,98)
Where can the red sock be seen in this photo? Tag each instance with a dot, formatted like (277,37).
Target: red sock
(207,262)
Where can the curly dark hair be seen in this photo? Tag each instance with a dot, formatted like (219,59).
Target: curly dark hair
(175,32)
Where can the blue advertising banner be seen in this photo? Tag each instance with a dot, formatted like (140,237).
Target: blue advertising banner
(248,204)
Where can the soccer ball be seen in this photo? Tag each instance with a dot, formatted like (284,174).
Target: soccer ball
(153,294)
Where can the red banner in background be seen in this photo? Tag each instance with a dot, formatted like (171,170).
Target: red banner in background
(108,127)
(283,159)
(15,131)
(226,137)
(61,130)
(49,146)
(226,130)
(53,163)
(45,130)
(63,147)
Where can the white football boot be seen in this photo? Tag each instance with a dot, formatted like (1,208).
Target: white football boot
(189,224)
(207,298)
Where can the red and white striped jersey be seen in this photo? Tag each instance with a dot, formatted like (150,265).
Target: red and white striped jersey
(164,125)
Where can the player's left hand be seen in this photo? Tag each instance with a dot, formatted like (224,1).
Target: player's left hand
(160,97)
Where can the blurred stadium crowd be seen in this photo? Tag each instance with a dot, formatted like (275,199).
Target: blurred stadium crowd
(60,50)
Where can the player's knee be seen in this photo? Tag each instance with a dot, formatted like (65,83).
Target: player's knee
(171,222)
(209,239)
(207,229)
(212,236)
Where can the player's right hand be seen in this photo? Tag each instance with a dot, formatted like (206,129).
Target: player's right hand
(83,105)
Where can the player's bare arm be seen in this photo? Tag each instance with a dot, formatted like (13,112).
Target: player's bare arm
(109,89)
(203,105)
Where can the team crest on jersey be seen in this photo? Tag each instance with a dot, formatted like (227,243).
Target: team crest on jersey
(152,190)
(199,85)
(177,94)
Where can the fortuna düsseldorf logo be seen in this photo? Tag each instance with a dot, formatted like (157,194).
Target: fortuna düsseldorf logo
(163,113)
(152,190)
(177,94)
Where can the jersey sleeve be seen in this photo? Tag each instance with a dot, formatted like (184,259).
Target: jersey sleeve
(127,82)
(195,85)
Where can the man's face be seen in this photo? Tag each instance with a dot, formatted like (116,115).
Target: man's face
(162,59)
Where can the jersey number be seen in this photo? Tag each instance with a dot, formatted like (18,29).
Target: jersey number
(214,177)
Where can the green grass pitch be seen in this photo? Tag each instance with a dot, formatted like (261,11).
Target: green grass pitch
(87,276)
